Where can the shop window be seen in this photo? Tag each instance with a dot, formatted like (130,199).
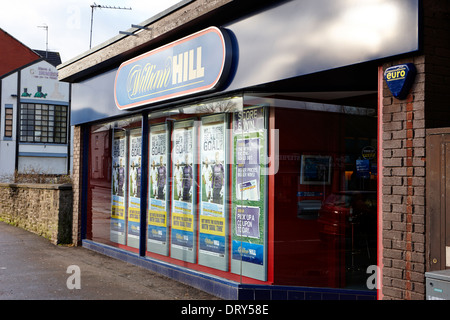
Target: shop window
(249,192)
(42,123)
(214,194)
(115,183)
(159,189)
(213,205)
(325,202)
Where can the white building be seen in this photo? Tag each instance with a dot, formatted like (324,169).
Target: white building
(34,119)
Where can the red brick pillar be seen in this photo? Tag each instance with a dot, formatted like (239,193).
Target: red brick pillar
(403,188)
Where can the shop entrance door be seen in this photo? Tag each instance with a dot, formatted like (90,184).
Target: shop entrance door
(438,199)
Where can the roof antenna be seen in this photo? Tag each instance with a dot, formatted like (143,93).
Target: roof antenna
(93,6)
(46,43)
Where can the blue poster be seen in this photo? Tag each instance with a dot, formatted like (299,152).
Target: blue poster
(248,169)
(363,168)
(248,252)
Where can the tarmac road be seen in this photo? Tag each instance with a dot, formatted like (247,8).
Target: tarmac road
(31,268)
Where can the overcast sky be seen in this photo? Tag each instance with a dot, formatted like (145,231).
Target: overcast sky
(69,21)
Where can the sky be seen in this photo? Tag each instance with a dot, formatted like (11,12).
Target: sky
(69,22)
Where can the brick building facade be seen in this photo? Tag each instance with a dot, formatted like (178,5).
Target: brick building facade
(406,220)
(403,192)
(15,54)
(408,213)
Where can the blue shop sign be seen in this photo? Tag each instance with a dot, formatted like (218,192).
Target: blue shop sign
(400,79)
(363,168)
(194,64)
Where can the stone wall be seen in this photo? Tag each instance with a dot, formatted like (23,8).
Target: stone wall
(43,209)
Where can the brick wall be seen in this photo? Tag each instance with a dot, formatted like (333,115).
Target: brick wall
(403,188)
(76,184)
(404,125)
(14,54)
(40,208)
(436,44)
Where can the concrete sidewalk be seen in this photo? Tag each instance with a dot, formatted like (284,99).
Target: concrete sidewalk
(31,268)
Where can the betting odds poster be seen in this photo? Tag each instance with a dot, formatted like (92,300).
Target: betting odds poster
(249,200)
(118,185)
(134,188)
(213,186)
(157,235)
(184,191)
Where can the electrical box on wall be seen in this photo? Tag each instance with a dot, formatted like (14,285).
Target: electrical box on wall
(438,285)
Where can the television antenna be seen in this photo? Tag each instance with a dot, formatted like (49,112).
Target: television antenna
(45,27)
(99,6)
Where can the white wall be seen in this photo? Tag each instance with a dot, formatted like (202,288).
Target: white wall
(8,145)
(45,165)
(46,157)
(44,75)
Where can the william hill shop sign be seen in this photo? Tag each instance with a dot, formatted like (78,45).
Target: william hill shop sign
(194,64)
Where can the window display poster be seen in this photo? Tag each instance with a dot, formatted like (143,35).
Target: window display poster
(248,169)
(158,192)
(213,173)
(118,188)
(134,180)
(183,193)
(247,226)
(315,170)
(248,206)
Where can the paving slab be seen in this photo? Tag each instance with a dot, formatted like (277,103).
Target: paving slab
(32,268)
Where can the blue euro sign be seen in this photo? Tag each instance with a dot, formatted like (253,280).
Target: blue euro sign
(400,79)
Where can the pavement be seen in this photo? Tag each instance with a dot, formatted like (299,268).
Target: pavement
(32,268)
